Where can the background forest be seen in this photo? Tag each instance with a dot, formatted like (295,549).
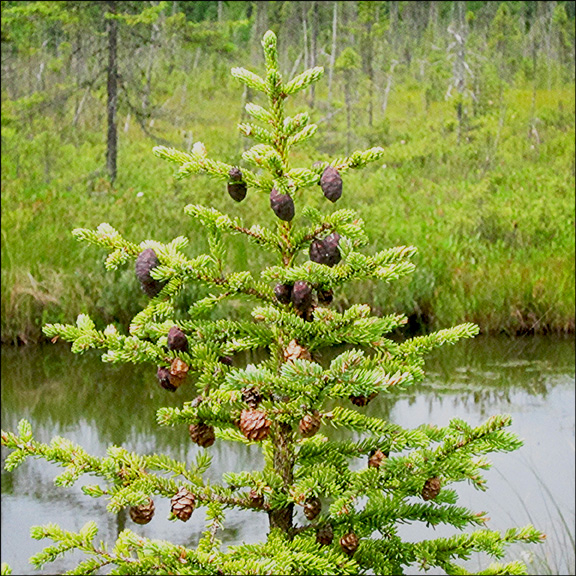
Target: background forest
(472,101)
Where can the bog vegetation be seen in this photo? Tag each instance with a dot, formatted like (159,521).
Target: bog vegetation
(473,103)
(333,506)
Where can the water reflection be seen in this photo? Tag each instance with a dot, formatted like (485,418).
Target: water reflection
(97,404)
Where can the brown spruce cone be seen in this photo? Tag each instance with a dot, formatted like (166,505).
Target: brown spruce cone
(361,400)
(202,434)
(310,424)
(236,186)
(177,340)
(296,352)
(312,507)
(283,293)
(183,503)
(325,535)
(376,458)
(251,396)
(256,500)
(349,543)
(326,251)
(302,296)
(142,514)
(145,263)
(325,297)
(254,424)
(331,183)
(163,375)
(431,488)
(282,204)
(178,371)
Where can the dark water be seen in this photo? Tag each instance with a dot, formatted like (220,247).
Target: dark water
(96,404)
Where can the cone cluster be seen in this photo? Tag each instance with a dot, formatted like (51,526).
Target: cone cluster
(172,378)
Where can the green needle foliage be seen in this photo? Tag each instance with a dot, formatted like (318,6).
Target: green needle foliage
(285,403)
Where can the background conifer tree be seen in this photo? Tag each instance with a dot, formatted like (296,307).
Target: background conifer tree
(327,515)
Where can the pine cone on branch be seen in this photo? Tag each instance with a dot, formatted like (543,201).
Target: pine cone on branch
(331,183)
(312,507)
(310,424)
(177,340)
(349,543)
(256,499)
(431,488)
(362,400)
(236,186)
(283,293)
(183,503)
(296,352)
(251,396)
(145,263)
(254,424)
(178,371)
(282,205)
(376,458)
(143,513)
(325,535)
(326,251)
(202,434)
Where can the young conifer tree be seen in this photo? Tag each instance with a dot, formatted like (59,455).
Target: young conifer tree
(327,515)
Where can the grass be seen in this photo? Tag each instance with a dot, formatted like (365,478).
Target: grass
(492,215)
(558,553)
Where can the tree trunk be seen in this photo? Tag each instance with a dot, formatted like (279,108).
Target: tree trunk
(284,466)
(112,103)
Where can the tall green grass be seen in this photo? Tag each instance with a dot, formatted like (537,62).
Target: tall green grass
(492,215)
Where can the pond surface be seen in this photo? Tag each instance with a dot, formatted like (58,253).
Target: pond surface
(97,404)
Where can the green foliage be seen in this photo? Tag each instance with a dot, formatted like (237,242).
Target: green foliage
(281,403)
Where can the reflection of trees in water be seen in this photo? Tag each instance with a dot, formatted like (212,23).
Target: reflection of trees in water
(52,386)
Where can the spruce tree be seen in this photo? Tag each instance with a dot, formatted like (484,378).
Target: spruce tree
(327,514)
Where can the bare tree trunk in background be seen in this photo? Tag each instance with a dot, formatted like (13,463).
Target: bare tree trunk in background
(389,81)
(154,37)
(220,10)
(304,6)
(394,21)
(260,27)
(333,50)
(313,49)
(112,103)
(433,20)
(458,30)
